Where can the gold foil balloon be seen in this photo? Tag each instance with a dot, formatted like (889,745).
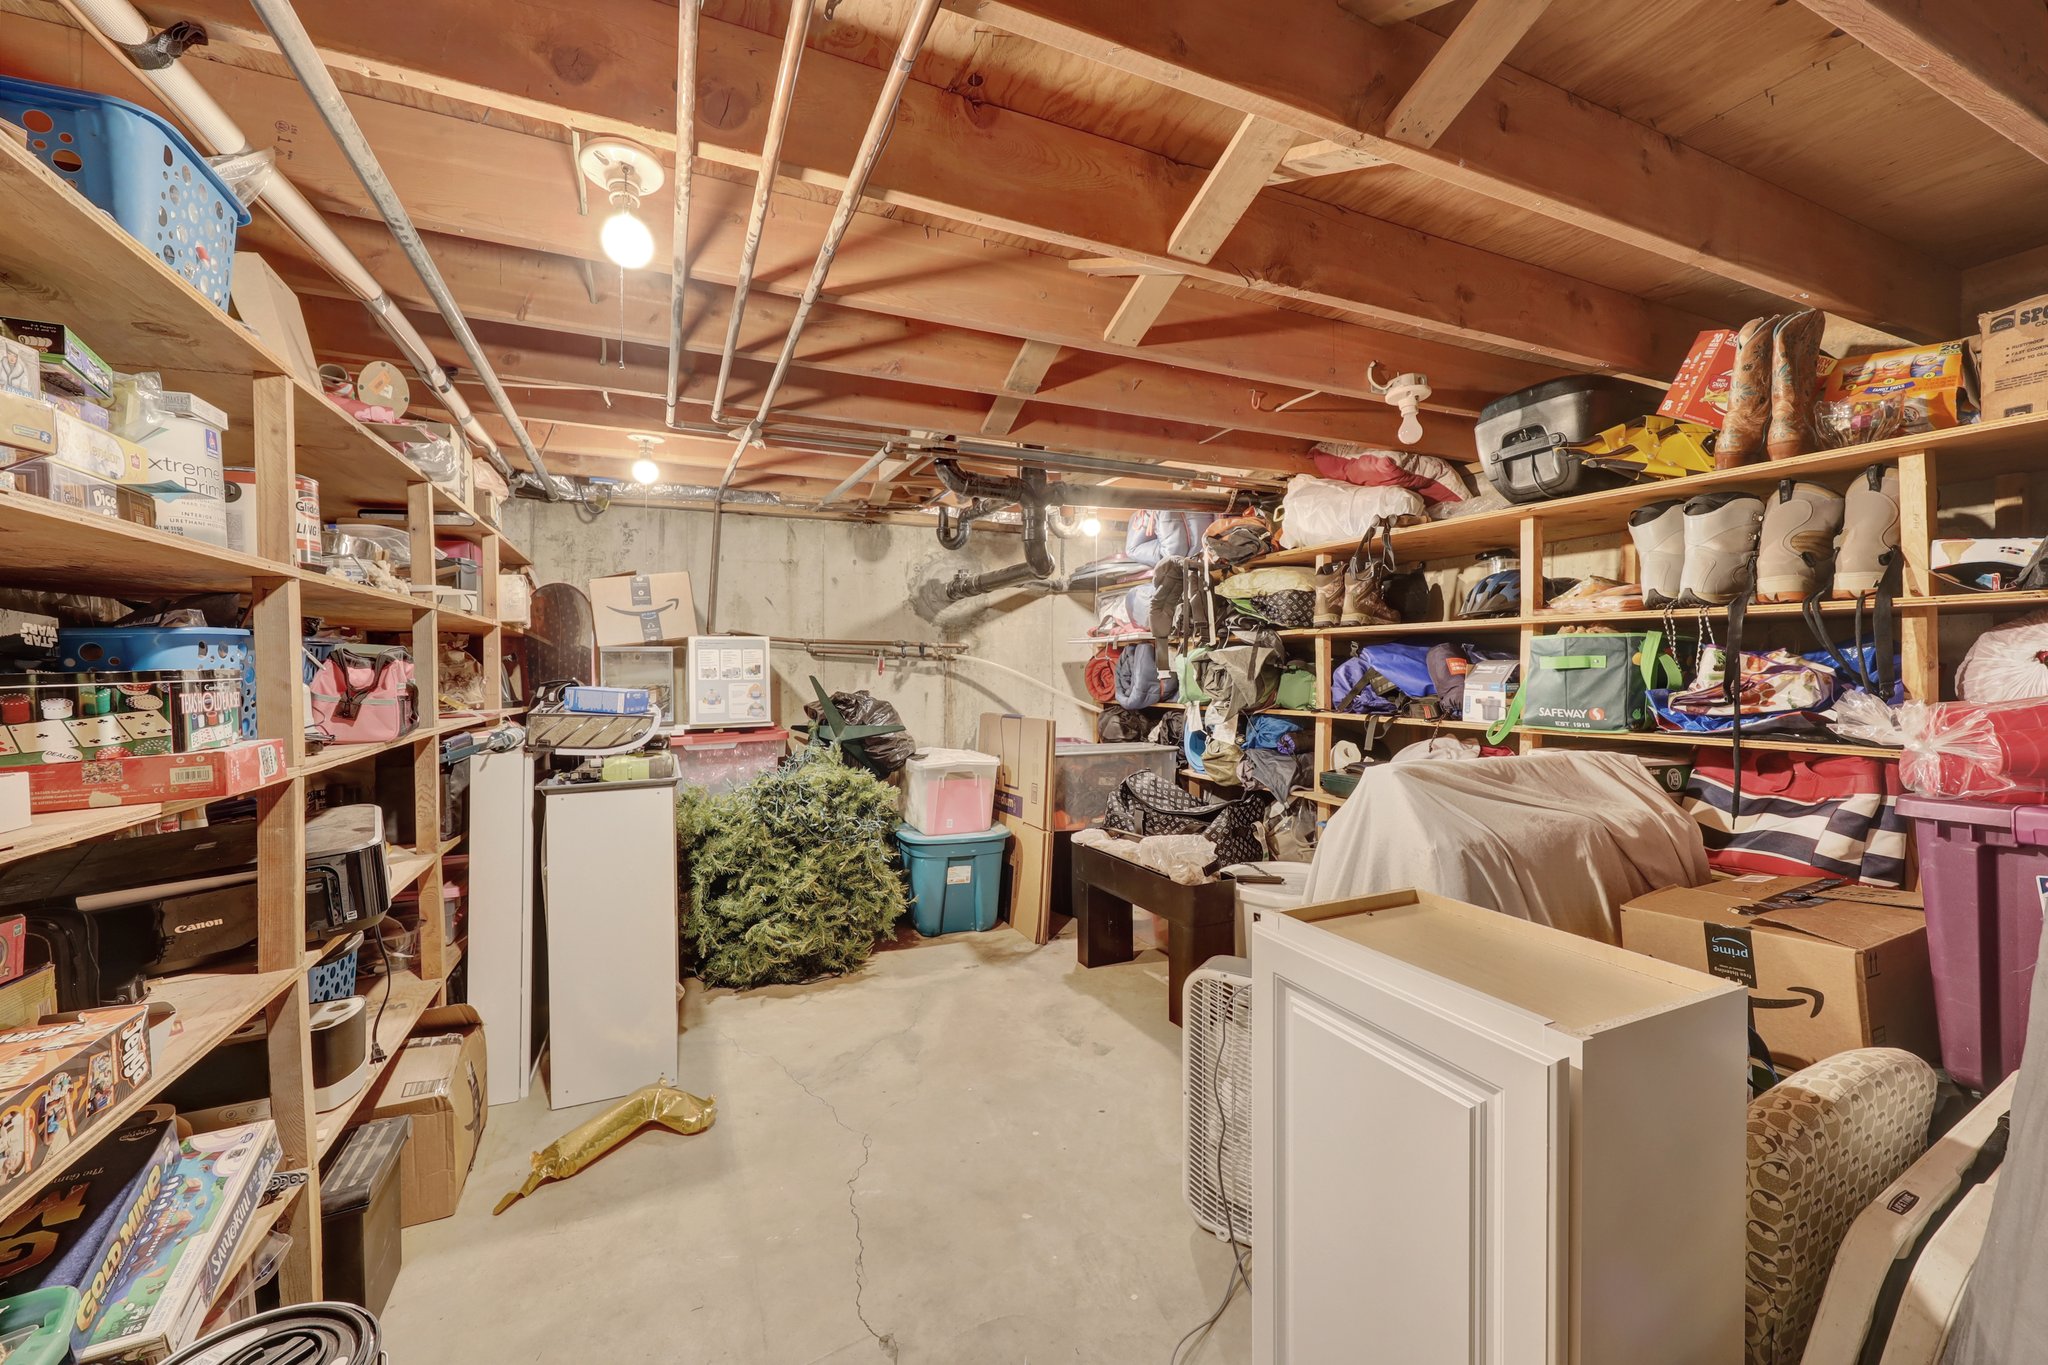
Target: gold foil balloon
(585,1143)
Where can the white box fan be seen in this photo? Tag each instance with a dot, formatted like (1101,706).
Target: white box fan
(1216,1095)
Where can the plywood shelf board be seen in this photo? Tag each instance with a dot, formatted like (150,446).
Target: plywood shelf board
(407,866)
(210,1006)
(46,544)
(1983,450)
(59,829)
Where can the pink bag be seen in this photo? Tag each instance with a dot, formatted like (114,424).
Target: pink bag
(365,695)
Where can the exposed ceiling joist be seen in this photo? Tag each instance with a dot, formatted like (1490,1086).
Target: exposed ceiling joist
(1321,157)
(525,356)
(1480,43)
(1233,182)
(1984,56)
(1305,63)
(1027,374)
(1390,11)
(990,171)
(497,284)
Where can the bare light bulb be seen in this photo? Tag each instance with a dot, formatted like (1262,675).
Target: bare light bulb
(626,241)
(645,471)
(1411,427)
(1090,526)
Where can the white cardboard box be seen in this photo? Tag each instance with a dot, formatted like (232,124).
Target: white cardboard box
(14,812)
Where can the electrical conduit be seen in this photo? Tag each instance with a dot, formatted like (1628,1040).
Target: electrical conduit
(687,14)
(121,22)
(298,49)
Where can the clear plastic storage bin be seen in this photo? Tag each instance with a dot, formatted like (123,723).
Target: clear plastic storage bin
(1085,776)
(949,791)
(719,761)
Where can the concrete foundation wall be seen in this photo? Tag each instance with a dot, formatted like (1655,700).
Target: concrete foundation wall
(790,577)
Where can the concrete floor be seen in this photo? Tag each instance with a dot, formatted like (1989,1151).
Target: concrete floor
(968,1152)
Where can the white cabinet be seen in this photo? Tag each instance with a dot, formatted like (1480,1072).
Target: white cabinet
(501,921)
(1480,1141)
(609,863)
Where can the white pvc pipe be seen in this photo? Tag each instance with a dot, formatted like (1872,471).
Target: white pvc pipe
(121,22)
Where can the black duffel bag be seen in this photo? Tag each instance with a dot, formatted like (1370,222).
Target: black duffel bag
(1146,804)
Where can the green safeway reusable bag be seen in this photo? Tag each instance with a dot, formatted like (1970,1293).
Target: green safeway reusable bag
(1597,683)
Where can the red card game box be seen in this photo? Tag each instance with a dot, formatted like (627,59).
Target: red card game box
(1699,393)
(133,780)
(13,947)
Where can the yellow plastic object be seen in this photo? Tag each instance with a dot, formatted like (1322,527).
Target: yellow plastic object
(1654,448)
(585,1143)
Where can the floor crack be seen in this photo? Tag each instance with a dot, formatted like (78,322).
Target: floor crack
(886,1341)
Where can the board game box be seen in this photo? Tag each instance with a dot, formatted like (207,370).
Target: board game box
(156,1299)
(74,1224)
(58,1075)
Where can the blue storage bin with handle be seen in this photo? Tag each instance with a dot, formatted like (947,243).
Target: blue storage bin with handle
(956,880)
(143,649)
(140,171)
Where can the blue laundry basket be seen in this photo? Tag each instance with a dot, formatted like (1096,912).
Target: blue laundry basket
(956,880)
(140,170)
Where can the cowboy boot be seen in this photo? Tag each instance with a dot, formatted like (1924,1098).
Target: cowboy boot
(1749,396)
(1329,595)
(1795,384)
(1365,602)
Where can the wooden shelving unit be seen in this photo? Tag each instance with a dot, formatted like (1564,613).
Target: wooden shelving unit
(63,259)
(1989,452)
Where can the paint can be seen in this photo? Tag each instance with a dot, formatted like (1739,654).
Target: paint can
(241,514)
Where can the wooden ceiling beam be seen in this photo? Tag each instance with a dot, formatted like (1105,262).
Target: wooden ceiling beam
(1390,11)
(1539,149)
(1228,354)
(1027,373)
(492,185)
(1321,157)
(1480,43)
(343,331)
(1983,56)
(983,166)
(1233,182)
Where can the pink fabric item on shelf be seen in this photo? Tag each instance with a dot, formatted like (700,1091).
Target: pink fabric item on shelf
(361,411)
(1435,479)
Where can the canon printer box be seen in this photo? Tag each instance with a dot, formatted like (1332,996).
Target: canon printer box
(1830,966)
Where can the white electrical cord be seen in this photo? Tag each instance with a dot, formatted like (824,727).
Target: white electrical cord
(1038,683)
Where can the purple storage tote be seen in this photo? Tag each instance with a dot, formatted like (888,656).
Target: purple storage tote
(1984,879)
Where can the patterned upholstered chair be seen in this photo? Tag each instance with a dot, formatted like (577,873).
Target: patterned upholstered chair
(1822,1144)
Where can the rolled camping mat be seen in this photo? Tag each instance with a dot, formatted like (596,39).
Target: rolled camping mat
(305,1334)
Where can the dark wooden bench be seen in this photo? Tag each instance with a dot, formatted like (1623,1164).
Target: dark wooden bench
(1204,918)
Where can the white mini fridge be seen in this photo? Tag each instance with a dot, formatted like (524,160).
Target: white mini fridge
(608,868)
(726,683)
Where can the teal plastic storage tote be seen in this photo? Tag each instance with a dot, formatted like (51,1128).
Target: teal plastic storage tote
(956,880)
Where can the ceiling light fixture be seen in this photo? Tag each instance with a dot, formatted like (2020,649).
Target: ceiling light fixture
(1091,526)
(1407,392)
(626,172)
(645,470)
